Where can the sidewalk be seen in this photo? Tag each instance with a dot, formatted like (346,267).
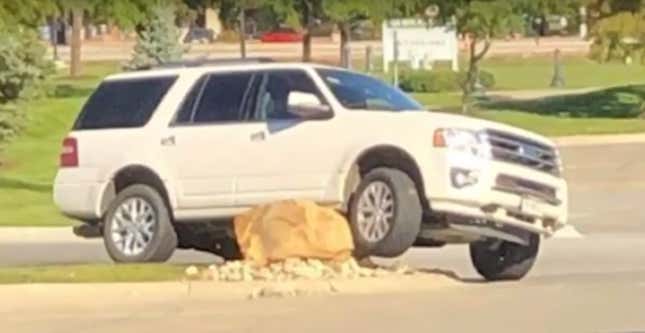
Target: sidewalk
(40,235)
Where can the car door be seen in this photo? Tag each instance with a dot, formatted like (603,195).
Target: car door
(207,144)
(296,159)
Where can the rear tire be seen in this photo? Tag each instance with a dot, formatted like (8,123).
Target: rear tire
(394,222)
(497,260)
(138,228)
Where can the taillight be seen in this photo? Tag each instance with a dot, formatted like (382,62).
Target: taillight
(69,153)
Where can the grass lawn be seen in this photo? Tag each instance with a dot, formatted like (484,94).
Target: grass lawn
(514,73)
(536,72)
(28,164)
(91,273)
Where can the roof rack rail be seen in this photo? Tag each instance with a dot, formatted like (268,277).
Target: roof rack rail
(214,62)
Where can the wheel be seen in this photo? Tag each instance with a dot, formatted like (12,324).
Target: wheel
(138,228)
(501,260)
(385,214)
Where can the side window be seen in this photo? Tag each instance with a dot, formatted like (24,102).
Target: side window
(272,102)
(187,108)
(222,98)
(123,103)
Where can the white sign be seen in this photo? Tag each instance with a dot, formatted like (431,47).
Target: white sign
(419,43)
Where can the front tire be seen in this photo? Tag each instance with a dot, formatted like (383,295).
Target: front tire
(138,228)
(385,214)
(497,260)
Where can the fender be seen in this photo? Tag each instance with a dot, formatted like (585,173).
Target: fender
(349,173)
(108,192)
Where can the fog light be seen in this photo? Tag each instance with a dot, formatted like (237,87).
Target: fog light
(461,177)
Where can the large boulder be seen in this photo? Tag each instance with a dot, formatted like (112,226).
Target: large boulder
(293,229)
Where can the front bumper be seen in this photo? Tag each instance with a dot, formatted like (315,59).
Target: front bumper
(486,200)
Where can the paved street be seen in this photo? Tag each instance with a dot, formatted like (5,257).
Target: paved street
(323,49)
(591,284)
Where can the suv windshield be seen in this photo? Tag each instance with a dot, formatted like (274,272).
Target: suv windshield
(357,91)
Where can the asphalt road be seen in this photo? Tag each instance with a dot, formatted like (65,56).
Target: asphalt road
(591,284)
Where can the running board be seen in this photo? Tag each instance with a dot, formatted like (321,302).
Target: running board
(490,233)
(461,229)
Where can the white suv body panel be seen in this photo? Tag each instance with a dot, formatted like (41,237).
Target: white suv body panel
(219,170)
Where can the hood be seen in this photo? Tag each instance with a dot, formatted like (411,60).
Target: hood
(440,119)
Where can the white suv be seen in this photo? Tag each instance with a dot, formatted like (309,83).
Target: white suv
(165,157)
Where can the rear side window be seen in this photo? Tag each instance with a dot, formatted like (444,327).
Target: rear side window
(123,103)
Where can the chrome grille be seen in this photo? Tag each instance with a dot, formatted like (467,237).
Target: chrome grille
(514,149)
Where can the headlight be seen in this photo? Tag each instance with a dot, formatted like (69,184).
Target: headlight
(462,140)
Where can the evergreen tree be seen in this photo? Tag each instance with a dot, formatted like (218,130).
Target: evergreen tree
(158,42)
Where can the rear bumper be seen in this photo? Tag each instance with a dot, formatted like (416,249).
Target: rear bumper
(486,200)
(77,195)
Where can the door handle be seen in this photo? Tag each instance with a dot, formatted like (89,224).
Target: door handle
(258,136)
(168,141)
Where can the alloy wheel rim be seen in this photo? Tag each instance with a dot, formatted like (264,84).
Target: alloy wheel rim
(375,211)
(133,226)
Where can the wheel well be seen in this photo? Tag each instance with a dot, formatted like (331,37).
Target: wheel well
(140,175)
(395,158)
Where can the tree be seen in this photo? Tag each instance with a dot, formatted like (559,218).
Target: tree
(618,29)
(344,13)
(300,14)
(158,42)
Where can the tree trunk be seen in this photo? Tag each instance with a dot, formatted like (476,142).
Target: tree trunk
(344,44)
(306,38)
(242,34)
(472,76)
(306,46)
(75,52)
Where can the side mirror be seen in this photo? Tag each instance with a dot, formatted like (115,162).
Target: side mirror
(307,106)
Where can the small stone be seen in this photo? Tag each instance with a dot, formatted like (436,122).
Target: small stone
(263,274)
(380,272)
(307,272)
(366,272)
(192,271)
(274,291)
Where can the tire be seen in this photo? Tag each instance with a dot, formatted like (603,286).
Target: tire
(402,221)
(157,228)
(497,260)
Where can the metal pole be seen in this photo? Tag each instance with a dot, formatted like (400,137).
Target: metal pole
(54,37)
(243,34)
(368,58)
(396,59)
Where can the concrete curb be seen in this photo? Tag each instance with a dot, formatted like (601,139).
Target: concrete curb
(592,140)
(40,235)
(84,295)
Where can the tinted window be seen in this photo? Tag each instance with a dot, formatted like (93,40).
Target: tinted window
(187,108)
(273,100)
(123,103)
(357,91)
(222,98)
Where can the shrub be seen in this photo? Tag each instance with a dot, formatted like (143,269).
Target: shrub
(441,81)
(22,63)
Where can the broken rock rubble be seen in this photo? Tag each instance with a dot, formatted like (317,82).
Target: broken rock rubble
(295,269)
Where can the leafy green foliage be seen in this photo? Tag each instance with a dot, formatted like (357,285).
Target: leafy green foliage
(441,81)
(619,35)
(615,102)
(158,42)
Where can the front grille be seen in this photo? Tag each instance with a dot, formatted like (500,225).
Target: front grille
(527,187)
(514,149)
